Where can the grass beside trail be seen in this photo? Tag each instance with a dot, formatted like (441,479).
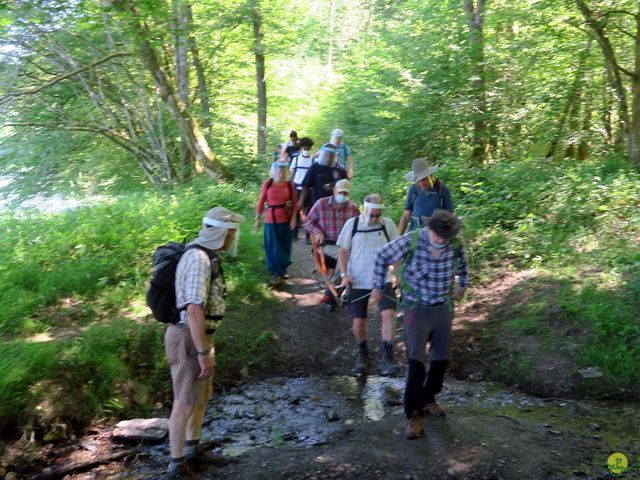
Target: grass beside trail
(576,225)
(79,342)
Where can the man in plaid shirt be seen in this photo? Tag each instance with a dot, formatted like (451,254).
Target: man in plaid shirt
(431,260)
(189,344)
(325,221)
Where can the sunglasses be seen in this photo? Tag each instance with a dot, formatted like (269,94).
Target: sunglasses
(371,215)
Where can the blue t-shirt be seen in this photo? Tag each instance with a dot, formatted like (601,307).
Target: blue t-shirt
(422,204)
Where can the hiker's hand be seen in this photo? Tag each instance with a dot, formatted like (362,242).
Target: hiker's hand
(293,223)
(346,280)
(459,293)
(257,224)
(319,238)
(206,366)
(350,175)
(376,295)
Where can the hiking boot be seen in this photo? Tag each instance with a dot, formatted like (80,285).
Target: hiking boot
(434,410)
(330,307)
(414,428)
(180,471)
(362,363)
(274,281)
(387,366)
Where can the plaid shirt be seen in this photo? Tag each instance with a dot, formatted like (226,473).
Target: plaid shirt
(429,278)
(325,218)
(193,279)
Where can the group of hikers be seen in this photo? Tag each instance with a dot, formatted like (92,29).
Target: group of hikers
(363,257)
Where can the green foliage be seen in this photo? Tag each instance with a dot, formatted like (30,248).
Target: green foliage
(82,274)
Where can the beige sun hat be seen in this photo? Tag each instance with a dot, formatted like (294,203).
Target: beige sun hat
(420,169)
(343,185)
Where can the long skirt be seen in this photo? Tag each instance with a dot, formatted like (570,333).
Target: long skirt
(277,247)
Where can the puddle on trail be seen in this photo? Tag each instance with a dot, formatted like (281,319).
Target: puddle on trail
(314,410)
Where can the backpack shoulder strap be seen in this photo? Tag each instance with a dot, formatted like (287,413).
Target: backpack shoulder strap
(214,258)
(440,190)
(355,227)
(269,183)
(384,230)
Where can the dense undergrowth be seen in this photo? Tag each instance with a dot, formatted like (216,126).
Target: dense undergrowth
(78,340)
(577,226)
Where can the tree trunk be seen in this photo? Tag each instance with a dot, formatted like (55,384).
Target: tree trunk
(634,136)
(569,106)
(258,48)
(475,19)
(332,22)
(203,91)
(180,35)
(583,146)
(189,130)
(630,123)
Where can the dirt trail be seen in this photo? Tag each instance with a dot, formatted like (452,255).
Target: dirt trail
(308,418)
(486,434)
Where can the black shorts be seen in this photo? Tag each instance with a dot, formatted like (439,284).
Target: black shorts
(359,301)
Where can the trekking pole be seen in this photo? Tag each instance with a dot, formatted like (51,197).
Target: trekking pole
(318,259)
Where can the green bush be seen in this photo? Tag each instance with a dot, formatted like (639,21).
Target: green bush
(86,270)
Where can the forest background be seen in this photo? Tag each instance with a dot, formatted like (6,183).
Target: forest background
(123,121)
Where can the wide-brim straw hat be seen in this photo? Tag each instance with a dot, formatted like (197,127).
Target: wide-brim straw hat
(420,169)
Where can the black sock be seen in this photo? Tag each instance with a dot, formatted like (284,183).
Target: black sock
(190,443)
(388,347)
(177,460)
(364,348)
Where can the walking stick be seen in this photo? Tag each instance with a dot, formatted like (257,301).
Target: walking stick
(318,259)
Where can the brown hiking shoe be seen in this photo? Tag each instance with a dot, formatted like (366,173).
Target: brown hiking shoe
(434,410)
(414,428)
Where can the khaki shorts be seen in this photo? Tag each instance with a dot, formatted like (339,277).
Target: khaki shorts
(183,360)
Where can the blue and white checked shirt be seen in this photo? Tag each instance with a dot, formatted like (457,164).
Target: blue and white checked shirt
(429,278)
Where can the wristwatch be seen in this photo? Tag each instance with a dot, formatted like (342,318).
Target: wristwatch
(342,274)
(204,353)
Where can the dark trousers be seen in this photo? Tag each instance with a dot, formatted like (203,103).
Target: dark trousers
(425,325)
(422,385)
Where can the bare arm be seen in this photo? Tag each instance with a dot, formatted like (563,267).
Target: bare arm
(404,221)
(195,319)
(303,196)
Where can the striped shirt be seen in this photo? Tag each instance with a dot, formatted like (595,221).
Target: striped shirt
(362,249)
(325,218)
(429,278)
(194,286)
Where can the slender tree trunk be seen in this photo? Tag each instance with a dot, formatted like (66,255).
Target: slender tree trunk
(203,91)
(583,146)
(569,106)
(258,35)
(475,19)
(332,23)
(630,120)
(180,35)
(189,130)
(634,137)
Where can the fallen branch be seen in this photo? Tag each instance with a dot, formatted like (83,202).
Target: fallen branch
(51,473)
